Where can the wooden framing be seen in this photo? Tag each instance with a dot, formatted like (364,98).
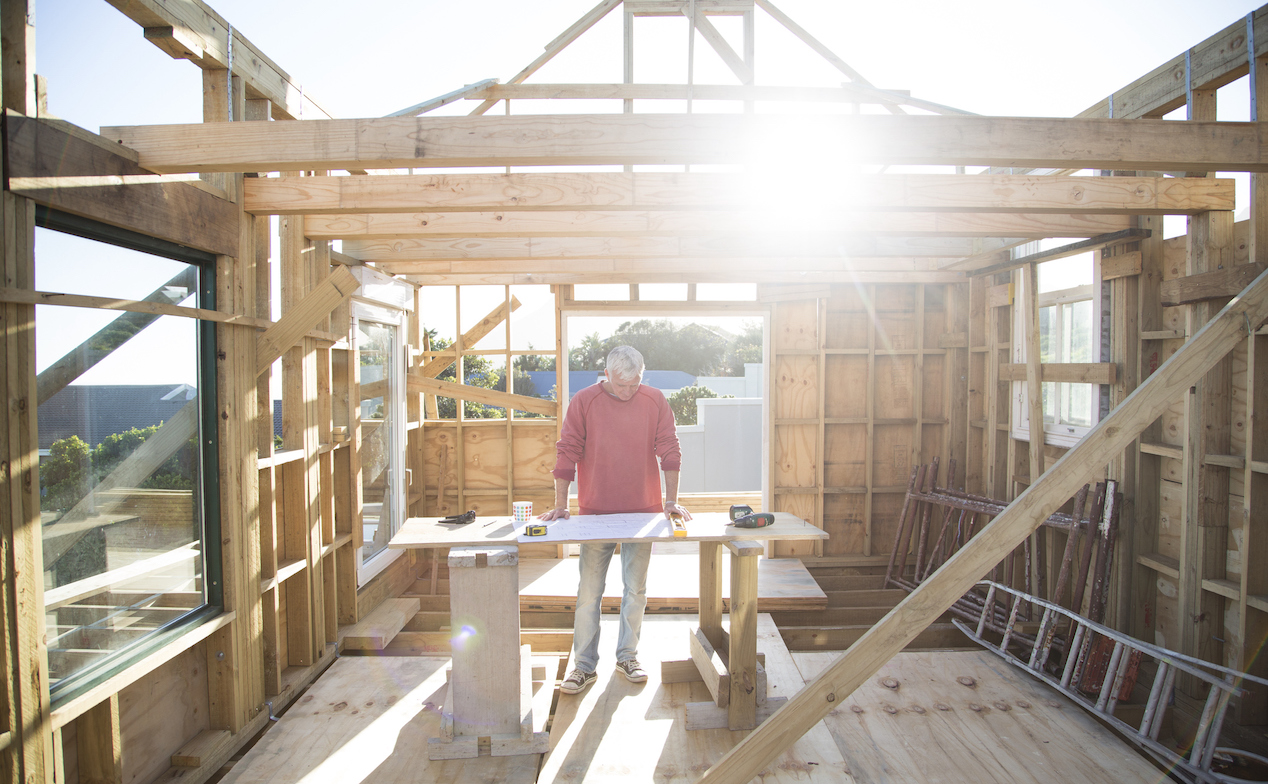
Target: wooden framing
(1154,145)
(652,191)
(891,332)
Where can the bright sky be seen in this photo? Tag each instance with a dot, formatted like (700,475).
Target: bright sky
(999,57)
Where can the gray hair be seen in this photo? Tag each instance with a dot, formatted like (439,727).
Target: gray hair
(624,362)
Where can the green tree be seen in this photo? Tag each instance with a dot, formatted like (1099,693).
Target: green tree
(747,347)
(174,474)
(589,354)
(477,371)
(683,403)
(66,473)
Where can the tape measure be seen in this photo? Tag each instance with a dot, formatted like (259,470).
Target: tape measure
(535,530)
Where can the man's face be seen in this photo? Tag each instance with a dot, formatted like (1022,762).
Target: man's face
(623,388)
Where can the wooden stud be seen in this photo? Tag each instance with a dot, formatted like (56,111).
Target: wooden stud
(99,745)
(742,661)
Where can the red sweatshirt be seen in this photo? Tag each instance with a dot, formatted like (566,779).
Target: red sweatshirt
(610,446)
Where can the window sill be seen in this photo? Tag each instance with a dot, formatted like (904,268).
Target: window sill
(81,703)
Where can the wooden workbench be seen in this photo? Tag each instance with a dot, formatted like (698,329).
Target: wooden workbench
(728,663)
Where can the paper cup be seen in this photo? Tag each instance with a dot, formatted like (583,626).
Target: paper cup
(523,511)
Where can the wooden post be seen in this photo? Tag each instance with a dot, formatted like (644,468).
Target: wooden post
(1144,530)
(936,595)
(742,658)
(100,748)
(1252,709)
(710,608)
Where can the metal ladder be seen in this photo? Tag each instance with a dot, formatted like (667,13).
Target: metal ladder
(1077,676)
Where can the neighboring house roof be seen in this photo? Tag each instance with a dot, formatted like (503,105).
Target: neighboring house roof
(95,412)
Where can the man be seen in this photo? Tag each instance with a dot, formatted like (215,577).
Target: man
(612,436)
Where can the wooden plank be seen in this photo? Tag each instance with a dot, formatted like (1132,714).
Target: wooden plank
(297,320)
(653,715)
(639,223)
(747,690)
(201,749)
(724,50)
(924,700)
(747,245)
(1202,286)
(362,708)
(991,263)
(999,537)
(376,630)
(50,164)
(710,594)
(1125,264)
(469,91)
(427,142)
(23,590)
(710,668)
(1212,63)
(1063,372)
(491,397)
(437,364)
(99,752)
(649,190)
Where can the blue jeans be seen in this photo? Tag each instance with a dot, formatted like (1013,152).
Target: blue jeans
(594,570)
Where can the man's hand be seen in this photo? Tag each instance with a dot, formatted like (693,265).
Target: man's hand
(559,513)
(676,509)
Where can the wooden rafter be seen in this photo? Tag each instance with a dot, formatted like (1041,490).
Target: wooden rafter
(556,46)
(653,191)
(754,245)
(425,142)
(629,223)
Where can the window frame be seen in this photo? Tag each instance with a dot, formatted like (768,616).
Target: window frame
(377,312)
(1056,433)
(120,659)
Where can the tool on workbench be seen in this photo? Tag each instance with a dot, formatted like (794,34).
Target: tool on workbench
(756,520)
(740,510)
(460,519)
(534,530)
(680,527)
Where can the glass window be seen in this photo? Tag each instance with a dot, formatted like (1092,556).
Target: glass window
(377,349)
(380,355)
(126,467)
(1069,332)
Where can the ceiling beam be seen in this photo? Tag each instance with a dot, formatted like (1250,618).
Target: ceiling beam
(826,144)
(616,191)
(781,248)
(702,223)
(673,270)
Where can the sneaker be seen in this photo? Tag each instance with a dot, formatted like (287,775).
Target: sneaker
(632,671)
(577,681)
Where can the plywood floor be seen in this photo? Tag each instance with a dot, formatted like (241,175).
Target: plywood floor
(927,725)
(617,731)
(367,719)
(673,584)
